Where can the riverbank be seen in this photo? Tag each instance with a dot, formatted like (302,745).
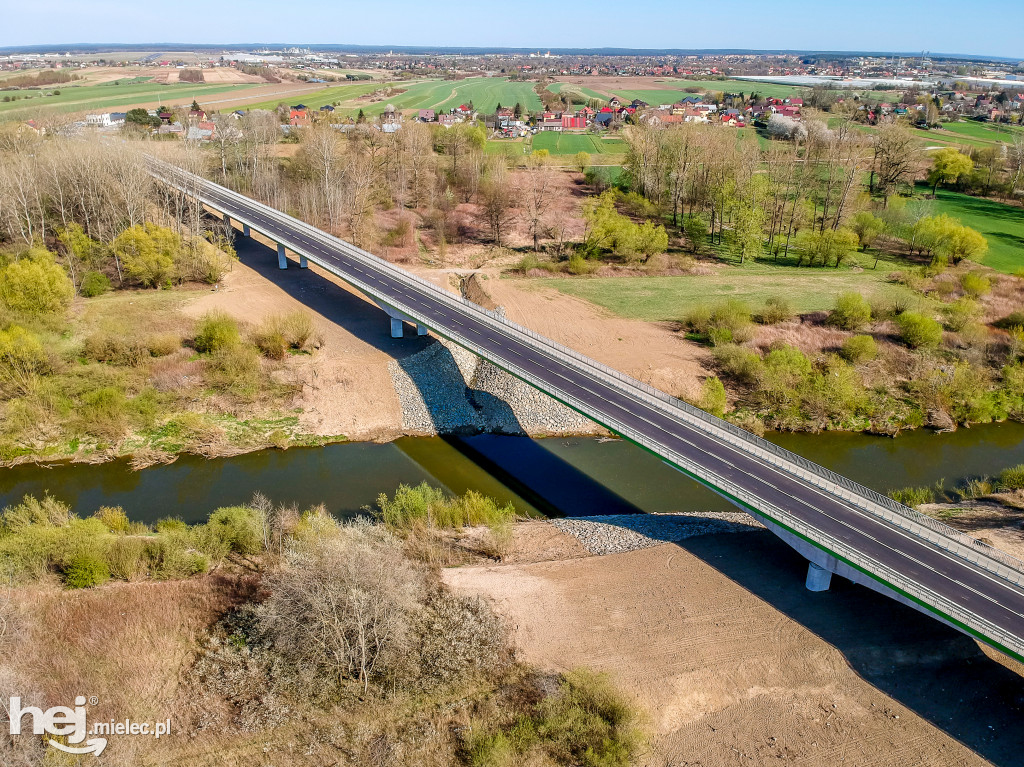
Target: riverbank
(736,662)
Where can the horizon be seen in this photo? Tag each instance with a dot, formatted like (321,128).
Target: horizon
(798,25)
(414,49)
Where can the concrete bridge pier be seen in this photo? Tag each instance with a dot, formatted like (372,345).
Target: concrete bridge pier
(421,330)
(818,578)
(282,261)
(397,330)
(303,264)
(245,230)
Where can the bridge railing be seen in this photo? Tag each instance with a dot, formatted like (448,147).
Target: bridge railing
(885,574)
(855,494)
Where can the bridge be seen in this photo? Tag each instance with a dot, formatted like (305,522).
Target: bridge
(840,526)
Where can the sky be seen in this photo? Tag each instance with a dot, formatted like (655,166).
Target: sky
(978,27)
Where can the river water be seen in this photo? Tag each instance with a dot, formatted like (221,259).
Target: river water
(556,476)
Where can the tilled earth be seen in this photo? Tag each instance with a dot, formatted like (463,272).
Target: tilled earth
(736,663)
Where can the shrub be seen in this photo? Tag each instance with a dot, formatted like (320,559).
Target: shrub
(1012,478)
(163,344)
(587,722)
(579,266)
(859,349)
(35,286)
(117,349)
(1014,319)
(852,311)
(744,365)
(113,518)
(237,369)
(913,496)
(775,310)
(127,558)
(278,333)
(727,322)
(86,570)
(961,313)
(917,331)
(22,358)
(713,398)
(240,527)
(94,284)
(105,412)
(430,507)
(975,284)
(217,331)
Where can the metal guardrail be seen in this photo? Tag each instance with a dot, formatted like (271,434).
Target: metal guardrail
(859,496)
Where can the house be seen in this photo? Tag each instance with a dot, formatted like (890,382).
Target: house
(662,117)
(197,133)
(327,108)
(573,122)
(107,120)
(604,118)
(550,125)
(614,102)
(199,114)
(298,115)
(447,120)
(427,115)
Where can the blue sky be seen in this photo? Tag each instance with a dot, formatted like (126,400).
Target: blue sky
(950,26)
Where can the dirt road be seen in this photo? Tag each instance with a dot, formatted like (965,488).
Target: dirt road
(737,664)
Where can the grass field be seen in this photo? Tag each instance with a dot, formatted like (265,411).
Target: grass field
(485,93)
(669,298)
(571,143)
(1002,225)
(984,131)
(87,98)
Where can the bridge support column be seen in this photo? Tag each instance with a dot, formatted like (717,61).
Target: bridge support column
(245,230)
(303,264)
(421,330)
(282,261)
(396,327)
(818,578)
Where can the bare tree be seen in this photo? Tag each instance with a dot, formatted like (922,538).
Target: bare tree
(497,201)
(537,195)
(895,159)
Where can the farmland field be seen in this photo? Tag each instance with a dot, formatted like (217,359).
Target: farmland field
(318,98)
(571,143)
(589,92)
(1002,225)
(86,98)
(984,131)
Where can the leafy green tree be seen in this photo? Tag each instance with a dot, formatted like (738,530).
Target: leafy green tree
(195,106)
(832,246)
(867,227)
(713,398)
(141,118)
(948,165)
(581,161)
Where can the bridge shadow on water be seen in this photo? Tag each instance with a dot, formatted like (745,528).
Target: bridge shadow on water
(544,480)
(974,696)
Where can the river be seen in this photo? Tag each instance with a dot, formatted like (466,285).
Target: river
(555,476)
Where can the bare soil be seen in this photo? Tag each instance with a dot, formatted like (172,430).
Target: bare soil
(650,351)
(737,664)
(346,387)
